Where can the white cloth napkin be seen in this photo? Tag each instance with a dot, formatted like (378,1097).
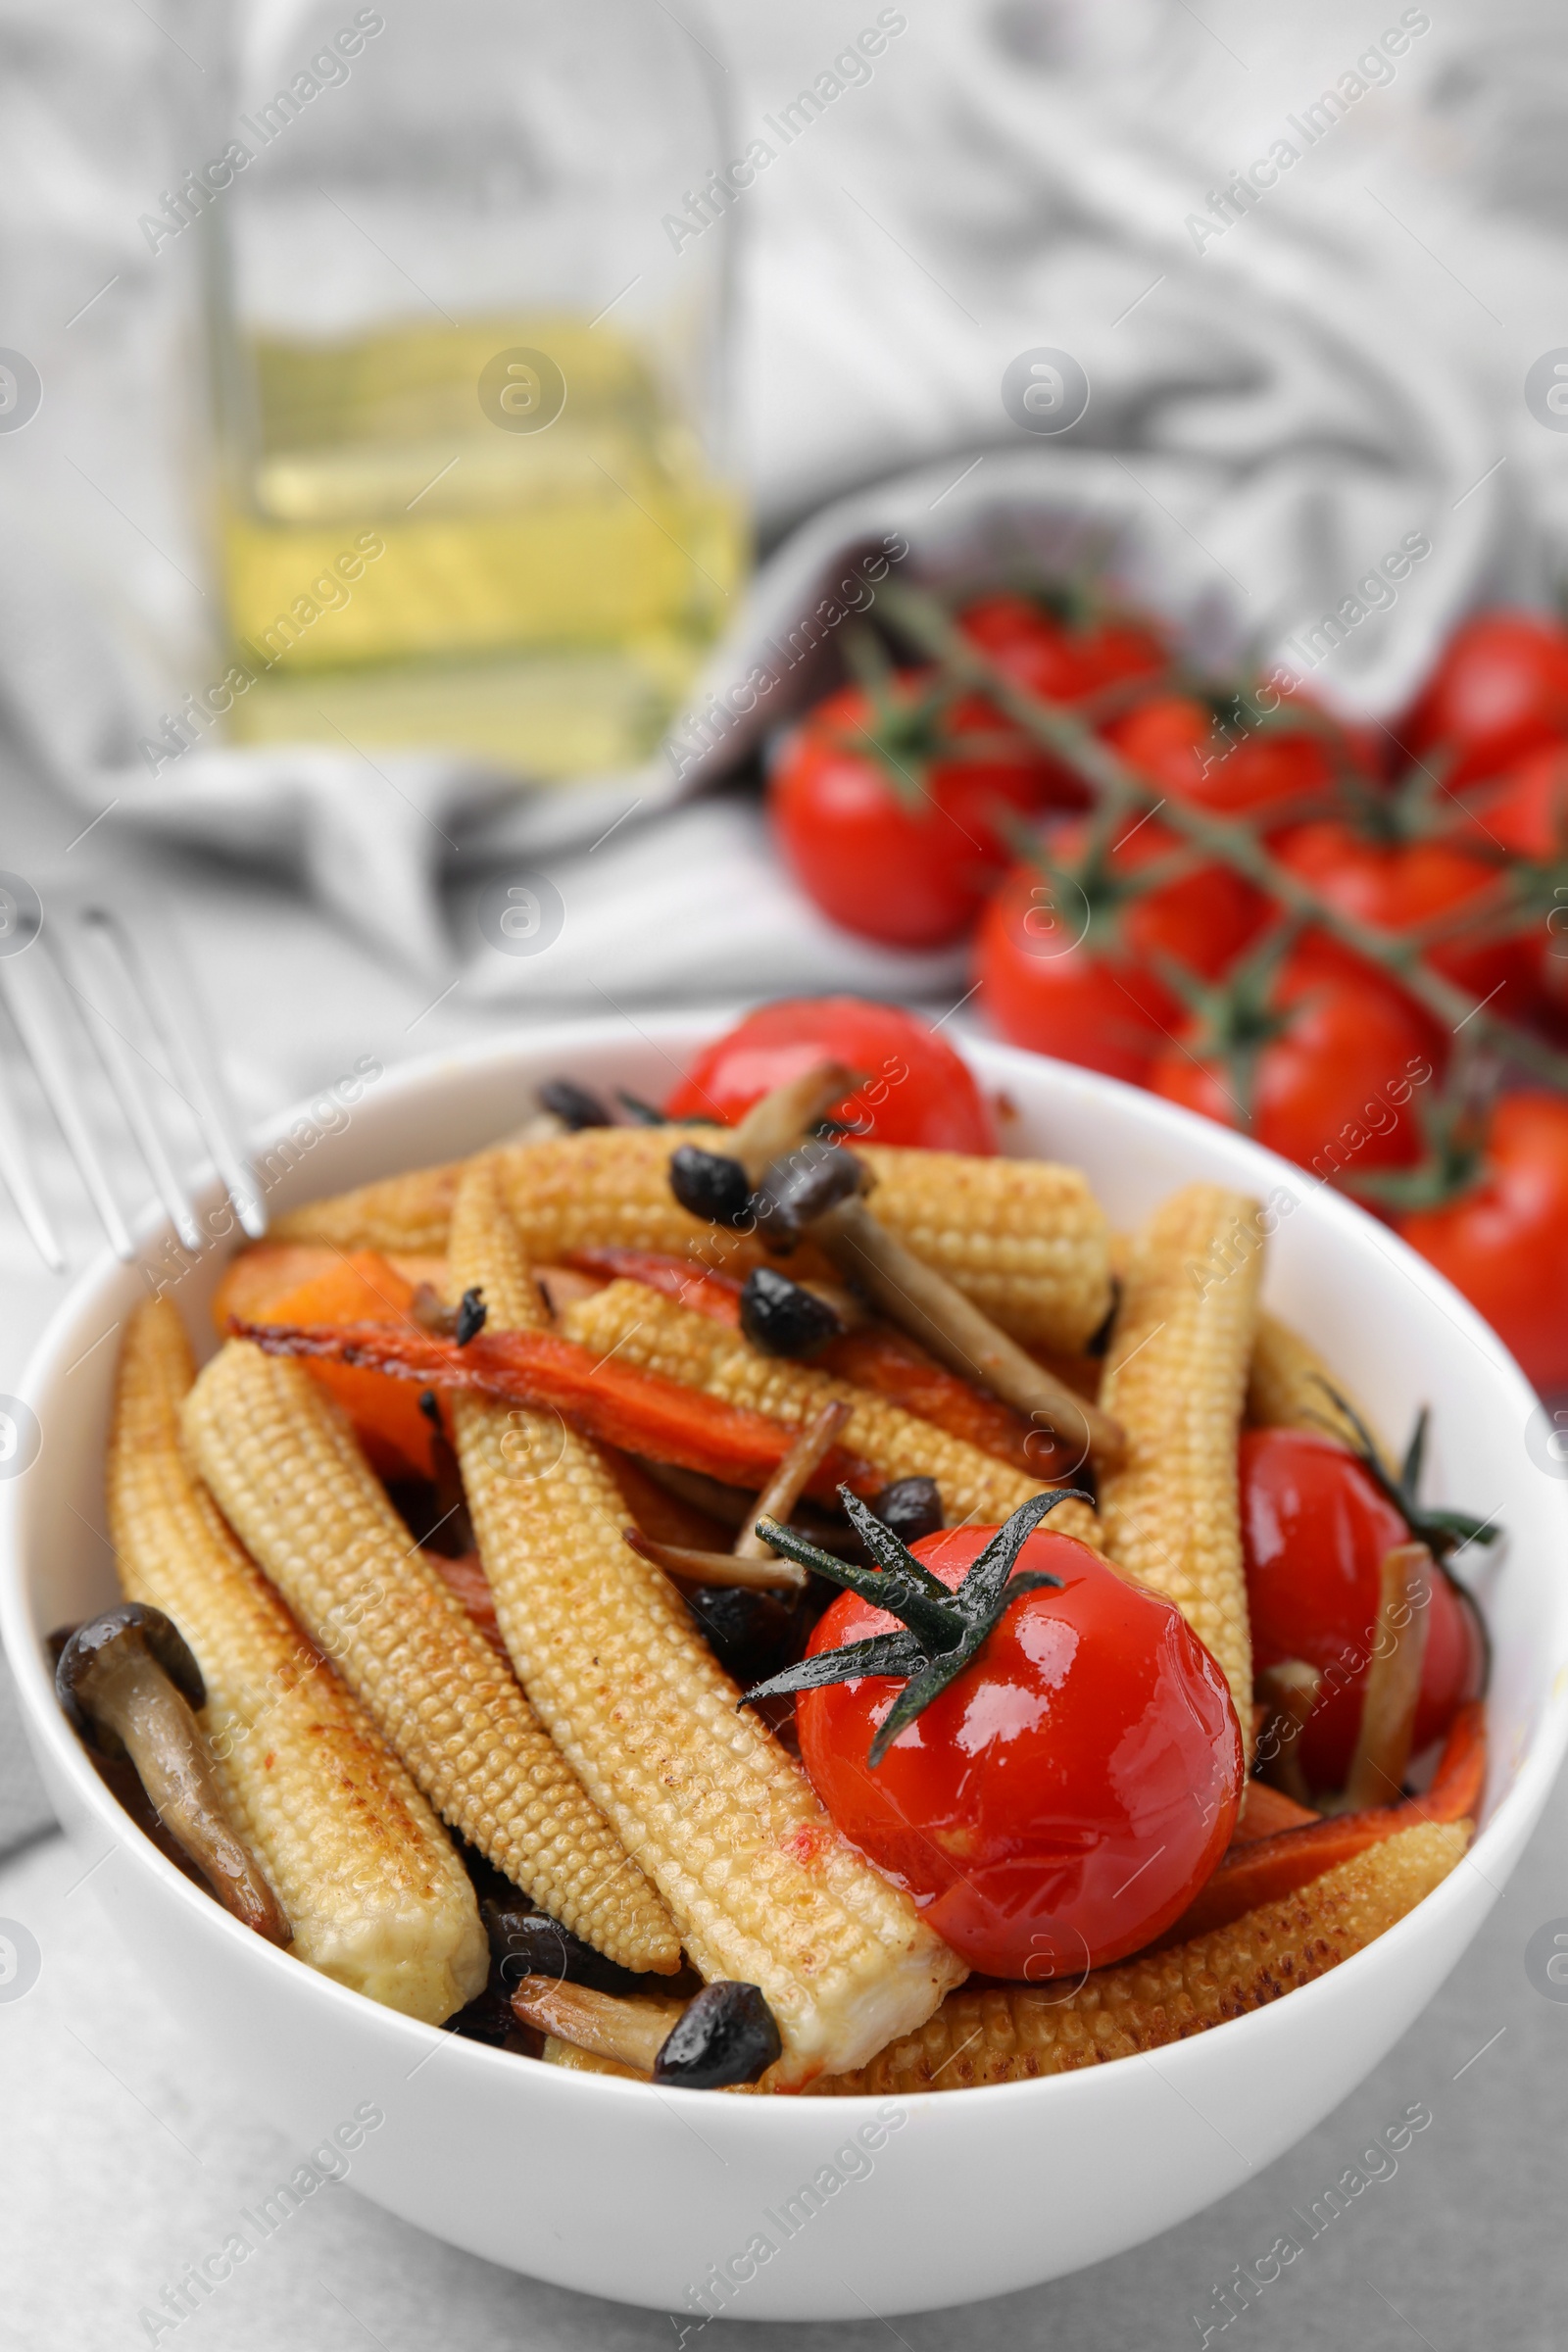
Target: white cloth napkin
(1275,404)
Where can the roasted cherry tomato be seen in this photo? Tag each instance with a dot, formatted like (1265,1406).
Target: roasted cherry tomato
(1501,689)
(892,813)
(1333,1066)
(1403,885)
(916,1089)
(1316,1531)
(1072,967)
(1504,1241)
(1061,1800)
(1213,755)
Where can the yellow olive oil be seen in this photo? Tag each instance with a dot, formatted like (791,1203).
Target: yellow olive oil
(498,537)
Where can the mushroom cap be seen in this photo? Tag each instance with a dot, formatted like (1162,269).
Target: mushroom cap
(802,1185)
(132,1623)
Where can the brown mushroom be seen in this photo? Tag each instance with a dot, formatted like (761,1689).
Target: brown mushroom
(754,1564)
(1288,1691)
(726,2035)
(819,1189)
(130,1686)
(782,1116)
(1393,1689)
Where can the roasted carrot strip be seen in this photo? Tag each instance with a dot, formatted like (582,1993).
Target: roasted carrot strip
(881,1360)
(256,1278)
(902,1371)
(361,1287)
(618,1404)
(716,1296)
(1265,1870)
(1264,1811)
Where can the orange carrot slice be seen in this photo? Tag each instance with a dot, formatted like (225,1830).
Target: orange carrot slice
(617,1404)
(363,1287)
(879,1359)
(715,1295)
(1264,1811)
(1265,1870)
(254,1278)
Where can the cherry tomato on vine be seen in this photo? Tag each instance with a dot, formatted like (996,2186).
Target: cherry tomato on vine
(1072,966)
(1058,1804)
(917,1090)
(891,809)
(1332,1062)
(1063,657)
(1504,1239)
(1404,885)
(1525,814)
(1315,1530)
(1501,689)
(1227,759)
(1042,988)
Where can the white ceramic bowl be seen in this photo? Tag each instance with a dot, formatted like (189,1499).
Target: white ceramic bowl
(623,2192)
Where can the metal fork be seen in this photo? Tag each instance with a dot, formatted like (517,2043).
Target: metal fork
(84,973)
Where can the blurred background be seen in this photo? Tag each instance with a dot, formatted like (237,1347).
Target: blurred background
(444,454)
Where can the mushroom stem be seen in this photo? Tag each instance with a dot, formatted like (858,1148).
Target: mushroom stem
(691,1567)
(788,1482)
(933,1311)
(780,1119)
(632,2030)
(725,2035)
(725,1503)
(133,1697)
(1289,1693)
(1392,1683)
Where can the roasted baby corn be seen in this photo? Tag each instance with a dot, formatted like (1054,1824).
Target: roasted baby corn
(1175,1377)
(1024,1238)
(762,1886)
(1014,2034)
(376,1894)
(640,1326)
(1285,1387)
(399,1215)
(283,1462)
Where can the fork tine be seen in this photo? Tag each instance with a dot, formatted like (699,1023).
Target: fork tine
(119,1057)
(23,992)
(16,1176)
(197,1079)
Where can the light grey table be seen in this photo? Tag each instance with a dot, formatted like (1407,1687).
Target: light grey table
(124,2158)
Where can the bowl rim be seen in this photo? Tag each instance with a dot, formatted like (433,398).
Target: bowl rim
(1501,1834)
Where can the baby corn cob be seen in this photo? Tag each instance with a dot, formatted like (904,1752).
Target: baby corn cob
(1014,2034)
(1285,1386)
(1175,1376)
(640,1326)
(759,1883)
(281,1460)
(408,1214)
(372,1888)
(1024,1238)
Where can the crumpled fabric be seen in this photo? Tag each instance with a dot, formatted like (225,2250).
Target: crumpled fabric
(1282,392)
